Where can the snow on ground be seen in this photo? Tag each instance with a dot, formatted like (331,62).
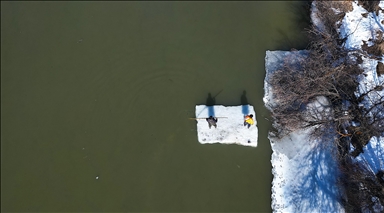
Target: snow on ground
(359,29)
(304,175)
(305,171)
(372,159)
(373,154)
(231,129)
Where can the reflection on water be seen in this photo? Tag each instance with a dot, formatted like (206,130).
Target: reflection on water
(105,89)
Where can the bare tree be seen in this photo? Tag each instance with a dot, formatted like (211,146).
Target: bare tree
(319,89)
(327,71)
(363,187)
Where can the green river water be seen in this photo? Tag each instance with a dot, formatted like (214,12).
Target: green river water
(105,89)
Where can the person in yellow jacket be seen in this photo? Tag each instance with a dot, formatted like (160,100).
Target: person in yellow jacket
(248,120)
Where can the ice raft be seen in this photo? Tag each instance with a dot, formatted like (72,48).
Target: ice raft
(230,125)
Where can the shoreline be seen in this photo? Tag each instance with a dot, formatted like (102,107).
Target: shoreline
(311,174)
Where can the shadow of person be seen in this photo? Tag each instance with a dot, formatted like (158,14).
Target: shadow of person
(210,100)
(244,103)
(210,103)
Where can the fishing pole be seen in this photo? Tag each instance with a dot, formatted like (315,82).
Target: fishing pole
(205,118)
(218,93)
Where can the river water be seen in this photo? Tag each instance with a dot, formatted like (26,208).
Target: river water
(96,98)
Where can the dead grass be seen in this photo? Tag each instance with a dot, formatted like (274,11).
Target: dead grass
(380,69)
(377,49)
(370,5)
(344,6)
(361,185)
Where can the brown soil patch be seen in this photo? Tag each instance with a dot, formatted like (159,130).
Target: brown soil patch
(377,49)
(370,6)
(374,50)
(380,69)
(359,59)
(344,6)
(328,15)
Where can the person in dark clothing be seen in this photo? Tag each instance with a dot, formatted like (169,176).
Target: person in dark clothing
(212,121)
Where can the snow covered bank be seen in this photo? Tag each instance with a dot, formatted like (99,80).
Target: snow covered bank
(306,171)
(230,126)
(363,29)
(373,155)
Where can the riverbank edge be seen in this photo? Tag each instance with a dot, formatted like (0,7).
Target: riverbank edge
(280,158)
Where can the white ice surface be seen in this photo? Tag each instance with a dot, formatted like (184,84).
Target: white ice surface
(304,175)
(230,130)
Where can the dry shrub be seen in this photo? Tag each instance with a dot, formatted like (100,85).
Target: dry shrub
(329,17)
(370,5)
(362,187)
(327,70)
(375,51)
(343,6)
(380,68)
